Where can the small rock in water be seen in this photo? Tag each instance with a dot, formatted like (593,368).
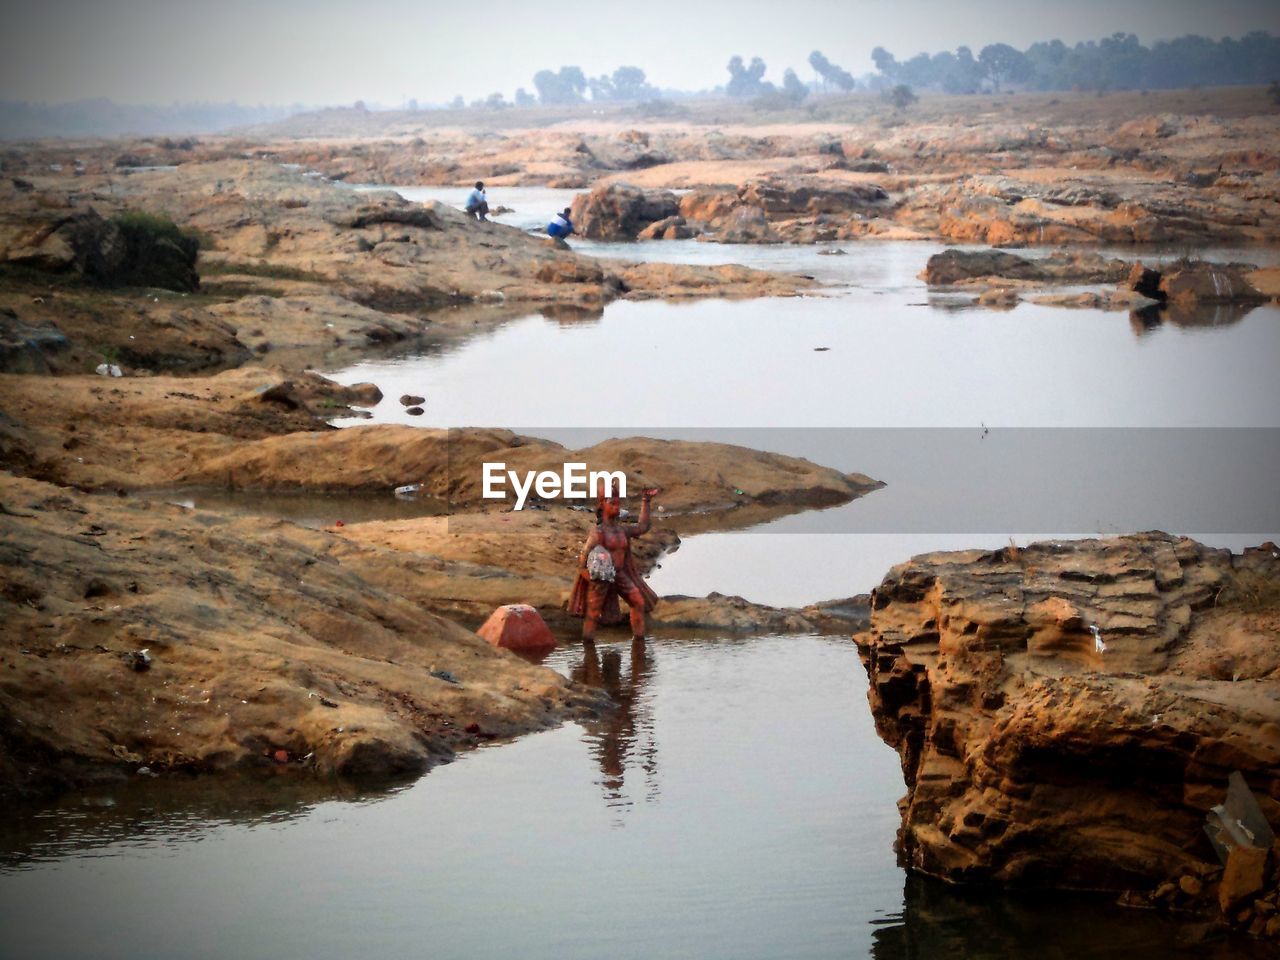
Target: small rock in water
(415,411)
(409,400)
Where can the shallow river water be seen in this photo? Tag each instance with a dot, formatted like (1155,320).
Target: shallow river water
(985,425)
(739,804)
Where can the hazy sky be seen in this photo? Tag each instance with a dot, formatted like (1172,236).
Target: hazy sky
(326,51)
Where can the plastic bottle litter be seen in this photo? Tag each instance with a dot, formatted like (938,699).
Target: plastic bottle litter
(408,491)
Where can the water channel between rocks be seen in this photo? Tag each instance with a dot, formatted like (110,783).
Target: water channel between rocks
(1098,423)
(739,803)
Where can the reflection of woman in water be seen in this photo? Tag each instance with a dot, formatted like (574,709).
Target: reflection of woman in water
(596,601)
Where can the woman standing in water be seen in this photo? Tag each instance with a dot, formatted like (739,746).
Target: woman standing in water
(601,582)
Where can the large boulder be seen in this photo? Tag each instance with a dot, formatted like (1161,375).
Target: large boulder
(619,211)
(745,224)
(672,228)
(954,266)
(131,249)
(570,270)
(1199,282)
(84,242)
(707,204)
(1067,713)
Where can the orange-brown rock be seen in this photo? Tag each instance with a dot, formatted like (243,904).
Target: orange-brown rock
(138,634)
(619,211)
(1243,877)
(1036,754)
(961,266)
(517,627)
(1197,282)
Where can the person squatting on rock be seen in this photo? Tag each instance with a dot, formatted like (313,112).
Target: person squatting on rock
(607,571)
(560,226)
(478,203)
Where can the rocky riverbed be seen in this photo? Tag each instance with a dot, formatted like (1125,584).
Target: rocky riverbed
(201,295)
(159,329)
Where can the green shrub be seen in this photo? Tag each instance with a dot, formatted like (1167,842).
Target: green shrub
(158,253)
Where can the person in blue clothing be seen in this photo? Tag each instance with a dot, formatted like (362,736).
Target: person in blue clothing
(560,226)
(478,203)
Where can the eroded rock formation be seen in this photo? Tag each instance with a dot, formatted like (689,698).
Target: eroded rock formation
(1037,754)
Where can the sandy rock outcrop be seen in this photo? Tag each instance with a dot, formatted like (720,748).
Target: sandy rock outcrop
(786,198)
(276,232)
(795,208)
(449,464)
(1003,210)
(1040,754)
(139,635)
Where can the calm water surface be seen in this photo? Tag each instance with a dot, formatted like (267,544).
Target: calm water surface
(738,805)
(906,386)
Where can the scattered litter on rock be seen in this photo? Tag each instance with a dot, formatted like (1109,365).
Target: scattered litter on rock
(139,661)
(1098,645)
(108,370)
(445,675)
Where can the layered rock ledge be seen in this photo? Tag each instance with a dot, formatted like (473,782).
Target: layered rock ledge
(1036,755)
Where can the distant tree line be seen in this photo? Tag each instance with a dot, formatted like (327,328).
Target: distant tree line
(1118,62)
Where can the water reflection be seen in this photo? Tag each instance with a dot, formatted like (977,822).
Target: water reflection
(572,314)
(306,508)
(981,924)
(1206,317)
(628,731)
(141,814)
